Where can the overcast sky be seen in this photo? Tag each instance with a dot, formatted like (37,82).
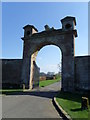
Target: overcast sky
(16,15)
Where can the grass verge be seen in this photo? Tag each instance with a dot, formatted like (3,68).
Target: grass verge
(4,91)
(48,82)
(71,103)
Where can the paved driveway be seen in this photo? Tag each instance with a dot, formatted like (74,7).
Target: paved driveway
(35,104)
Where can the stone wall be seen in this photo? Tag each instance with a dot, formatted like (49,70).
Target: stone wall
(11,73)
(12,68)
(82,73)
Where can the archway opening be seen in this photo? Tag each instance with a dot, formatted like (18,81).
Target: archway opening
(49,60)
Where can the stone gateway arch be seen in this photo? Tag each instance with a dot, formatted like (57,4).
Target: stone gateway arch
(63,38)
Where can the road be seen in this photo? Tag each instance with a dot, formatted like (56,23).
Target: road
(35,104)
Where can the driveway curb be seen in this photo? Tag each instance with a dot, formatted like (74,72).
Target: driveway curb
(62,113)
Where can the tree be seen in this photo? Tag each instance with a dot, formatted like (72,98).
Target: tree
(59,67)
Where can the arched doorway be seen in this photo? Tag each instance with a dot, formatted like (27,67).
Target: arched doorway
(63,38)
(49,61)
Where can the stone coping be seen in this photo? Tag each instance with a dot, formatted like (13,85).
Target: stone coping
(60,110)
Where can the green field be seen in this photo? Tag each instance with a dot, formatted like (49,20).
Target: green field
(48,82)
(71,103)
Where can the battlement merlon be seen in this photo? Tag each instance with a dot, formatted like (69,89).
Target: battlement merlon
(28,31)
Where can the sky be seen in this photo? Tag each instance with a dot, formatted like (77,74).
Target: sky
(18,14)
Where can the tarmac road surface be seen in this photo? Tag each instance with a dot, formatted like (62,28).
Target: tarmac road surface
(34,104)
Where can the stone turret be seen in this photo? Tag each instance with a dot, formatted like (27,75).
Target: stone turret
(68,23)
(28,31)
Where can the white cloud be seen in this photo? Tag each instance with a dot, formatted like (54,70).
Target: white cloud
(49,68)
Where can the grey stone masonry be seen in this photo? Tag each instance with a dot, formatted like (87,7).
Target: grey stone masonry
(63,38)
(82,75)
(75,70)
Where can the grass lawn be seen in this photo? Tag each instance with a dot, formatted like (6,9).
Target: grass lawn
(48,82)
(71,103)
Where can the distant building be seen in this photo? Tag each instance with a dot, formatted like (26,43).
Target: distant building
(42,76)
(48,76)
(50,73)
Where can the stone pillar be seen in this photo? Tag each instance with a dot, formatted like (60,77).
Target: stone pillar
(27,53)
(26,72)
(68,26)
(33,59)
(68,73)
